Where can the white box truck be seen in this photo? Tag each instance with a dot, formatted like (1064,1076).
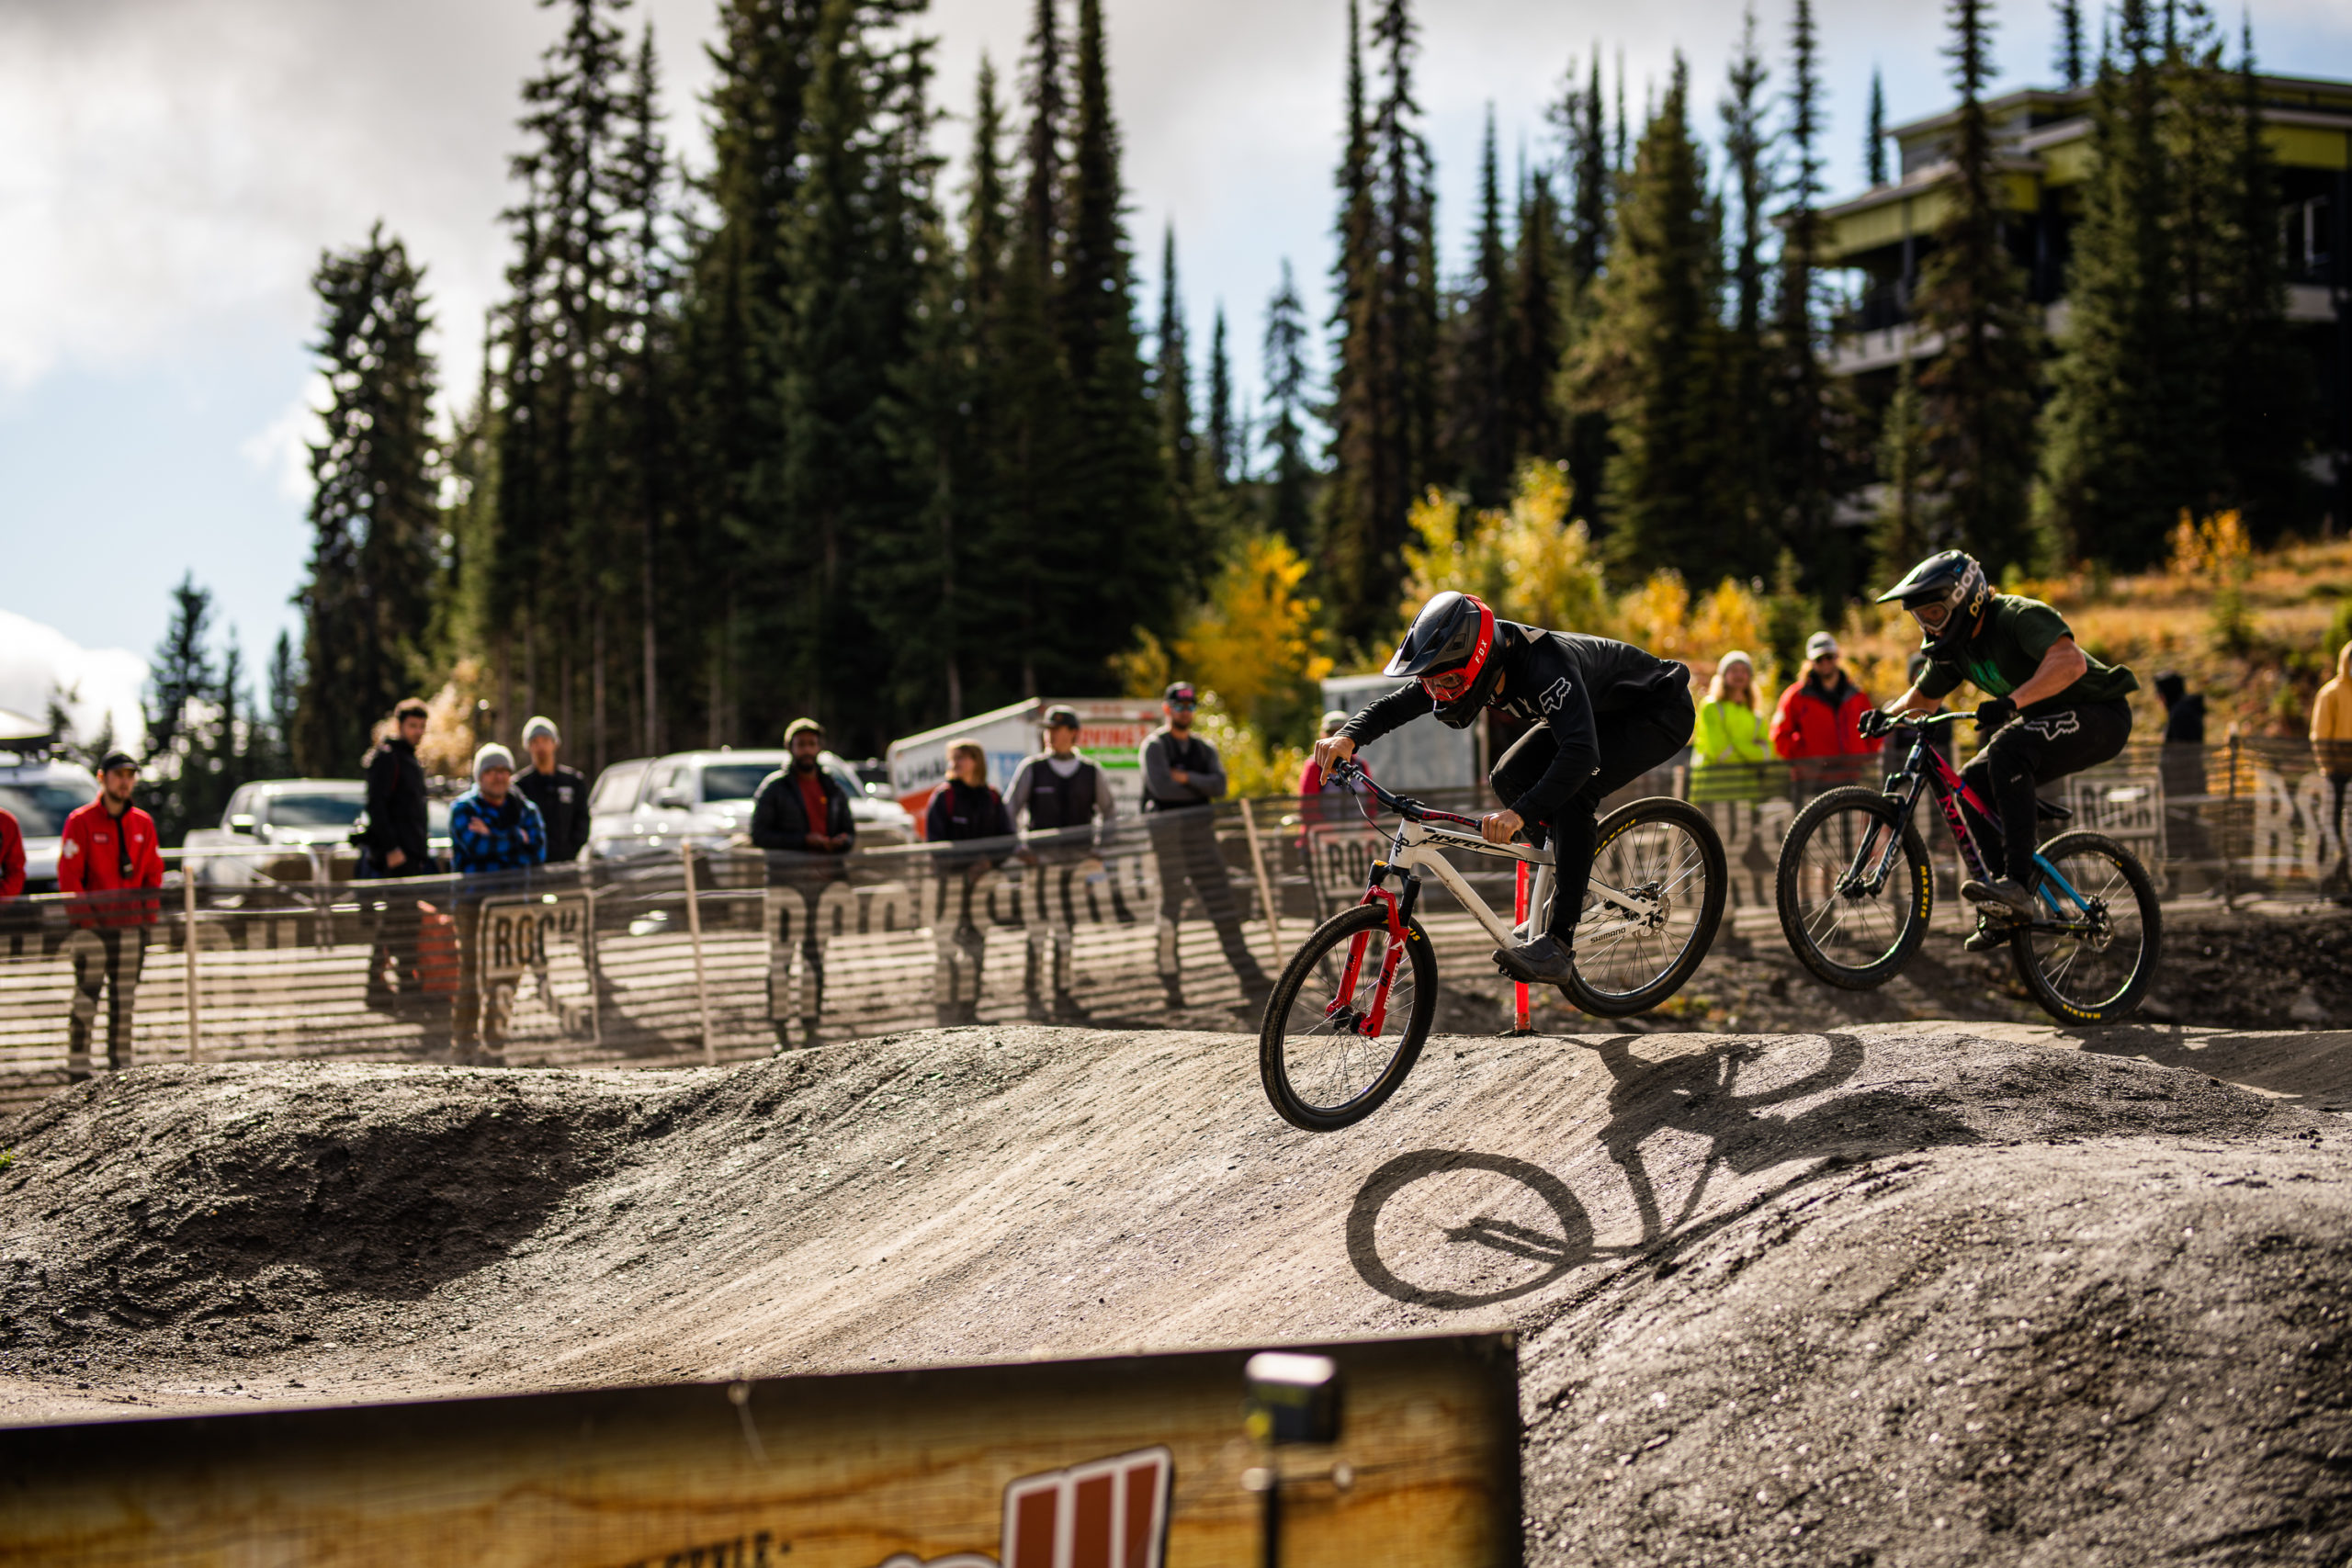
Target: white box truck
(1111,731)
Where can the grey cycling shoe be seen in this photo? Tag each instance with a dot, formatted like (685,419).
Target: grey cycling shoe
(2007,895)
(1546,961)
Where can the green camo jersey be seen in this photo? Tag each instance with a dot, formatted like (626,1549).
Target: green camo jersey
(2008,648)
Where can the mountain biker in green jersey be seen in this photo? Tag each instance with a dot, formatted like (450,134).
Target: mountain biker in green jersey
(2052,709)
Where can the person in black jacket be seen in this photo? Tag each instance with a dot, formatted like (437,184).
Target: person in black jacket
(395,843)
(1604,714)
(561,793)
(1183,775)
(965,808)
(1062,796)
(801,815)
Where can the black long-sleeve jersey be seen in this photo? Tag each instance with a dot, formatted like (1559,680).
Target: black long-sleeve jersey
(1558,678)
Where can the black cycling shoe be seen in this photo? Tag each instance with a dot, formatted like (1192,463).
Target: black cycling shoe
(2005,896)
(1988,935)
(1546,961)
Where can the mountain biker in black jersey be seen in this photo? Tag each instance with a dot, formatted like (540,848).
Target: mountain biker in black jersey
(2054,709)
(1604,713)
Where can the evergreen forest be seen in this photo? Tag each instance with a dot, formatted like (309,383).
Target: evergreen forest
(822,424)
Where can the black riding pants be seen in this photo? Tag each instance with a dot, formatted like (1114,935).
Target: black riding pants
(2027,752)
(1631,745)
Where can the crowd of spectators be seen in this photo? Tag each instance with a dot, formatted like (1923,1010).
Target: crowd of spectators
(111,869)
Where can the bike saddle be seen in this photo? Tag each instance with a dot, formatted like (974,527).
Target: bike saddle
(2051,811)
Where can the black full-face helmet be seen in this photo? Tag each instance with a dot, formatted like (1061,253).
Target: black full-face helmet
(1450,650)
(1945,593)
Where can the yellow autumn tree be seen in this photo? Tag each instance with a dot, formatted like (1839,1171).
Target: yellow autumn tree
(1255,643)
(1527,560)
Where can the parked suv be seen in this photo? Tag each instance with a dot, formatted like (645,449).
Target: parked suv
(298,816)
(40,795)
(707,796)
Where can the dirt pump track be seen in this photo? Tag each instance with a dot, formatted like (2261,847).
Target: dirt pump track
(1897,1293)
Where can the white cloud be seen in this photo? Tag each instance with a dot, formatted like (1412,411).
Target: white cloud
(282,448)
(37,661)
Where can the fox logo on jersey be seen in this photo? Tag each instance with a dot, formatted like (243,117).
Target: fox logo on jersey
(2054,727)
(1556,695)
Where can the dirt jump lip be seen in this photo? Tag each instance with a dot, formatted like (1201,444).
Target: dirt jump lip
(1712,1219)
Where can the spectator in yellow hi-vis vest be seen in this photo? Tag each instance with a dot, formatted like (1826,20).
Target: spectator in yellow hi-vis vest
(1729,747)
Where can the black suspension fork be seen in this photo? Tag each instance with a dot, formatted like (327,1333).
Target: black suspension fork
(1903,788)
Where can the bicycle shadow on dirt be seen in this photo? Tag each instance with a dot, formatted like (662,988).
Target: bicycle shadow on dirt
(1513,1227)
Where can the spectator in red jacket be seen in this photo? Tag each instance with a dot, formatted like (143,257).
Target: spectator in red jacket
(11,857)
(106,864)
(1819,717)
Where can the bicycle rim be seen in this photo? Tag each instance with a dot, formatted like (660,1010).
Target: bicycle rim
(1322,1070)
(2093,975)
(1856,935)
(1662,864)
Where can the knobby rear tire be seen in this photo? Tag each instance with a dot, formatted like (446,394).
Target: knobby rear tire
(1905,902)
(1684,821)
(2074,982)
(1291,1049)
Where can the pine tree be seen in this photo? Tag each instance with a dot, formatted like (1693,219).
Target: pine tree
(1653,360)
(1285,378)
(1804,488)
(1386,397)
(1127,541)
(2069,57)
(1536,338)
(185,715)
(1227,446)
(2264,389)
(1747,437)
(374,511)
(731,334)
(1478,437)
(1593,209)
(1179,444)
(2110,436)
(854,252)
(1592,184)
(1978,393)
(285,688)
(1875,153)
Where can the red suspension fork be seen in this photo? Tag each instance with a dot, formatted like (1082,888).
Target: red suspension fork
(1519,917)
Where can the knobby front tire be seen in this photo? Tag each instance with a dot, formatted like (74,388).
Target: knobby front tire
(2096,976)
(1667,851)
(1852,940)
(1320,1074)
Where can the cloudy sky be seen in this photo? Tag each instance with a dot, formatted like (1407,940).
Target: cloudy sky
(170,170)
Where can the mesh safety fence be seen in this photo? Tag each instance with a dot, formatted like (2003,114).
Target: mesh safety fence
(678,954)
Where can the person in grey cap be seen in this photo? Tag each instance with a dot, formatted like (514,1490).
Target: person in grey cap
(492,828)
(1060,796)
(1182,776)
(561,793)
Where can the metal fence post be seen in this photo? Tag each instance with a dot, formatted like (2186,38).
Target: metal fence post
(694,930)
(1265,885)
(187,916)
(2229,820)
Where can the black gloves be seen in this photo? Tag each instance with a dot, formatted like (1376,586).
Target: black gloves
(1874,723)
(1995,713)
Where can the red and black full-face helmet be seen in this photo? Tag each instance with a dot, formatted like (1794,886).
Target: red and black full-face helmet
(1450,649)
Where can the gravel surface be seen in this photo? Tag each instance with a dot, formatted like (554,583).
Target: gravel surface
(1898,1293)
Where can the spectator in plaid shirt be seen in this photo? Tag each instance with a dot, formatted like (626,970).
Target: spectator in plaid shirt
(491,828)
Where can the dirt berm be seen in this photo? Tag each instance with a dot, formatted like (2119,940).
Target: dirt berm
(1903,1294)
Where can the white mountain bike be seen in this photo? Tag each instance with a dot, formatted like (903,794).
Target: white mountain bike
(1348,1018)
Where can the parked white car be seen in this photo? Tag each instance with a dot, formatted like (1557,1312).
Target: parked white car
(40,795)
(295,816)
(652,803)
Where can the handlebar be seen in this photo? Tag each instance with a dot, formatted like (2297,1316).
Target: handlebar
(1347,770)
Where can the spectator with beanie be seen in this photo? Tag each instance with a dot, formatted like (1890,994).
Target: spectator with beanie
(492,828)
(108,864)
(561,793)
(1057,793)
(1817,722)
(799,810)
(1182,776)
(395,843)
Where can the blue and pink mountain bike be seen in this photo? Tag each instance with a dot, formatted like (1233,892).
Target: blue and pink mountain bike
(1856,890)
